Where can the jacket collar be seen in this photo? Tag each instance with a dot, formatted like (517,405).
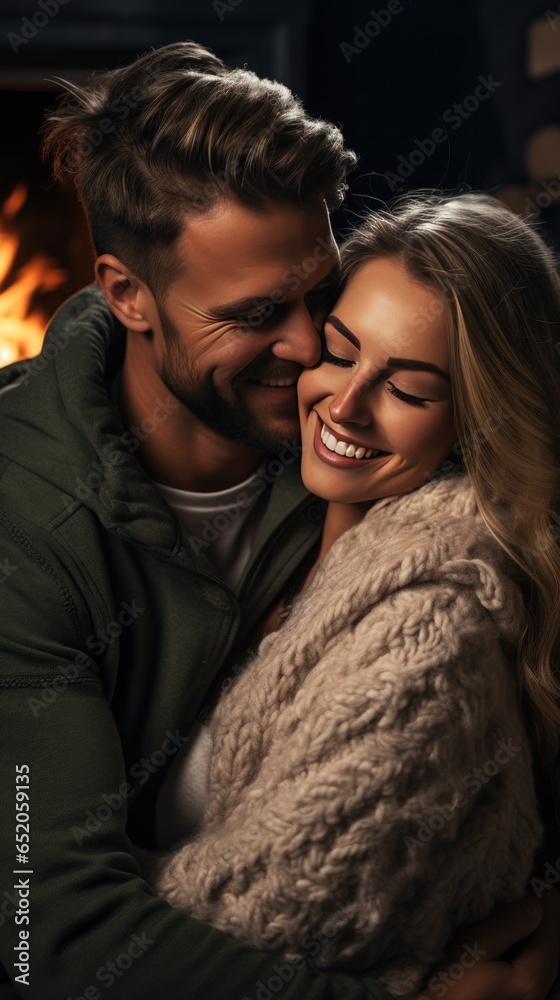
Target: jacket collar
(61,424)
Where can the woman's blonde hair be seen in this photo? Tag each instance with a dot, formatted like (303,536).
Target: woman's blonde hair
(498,285)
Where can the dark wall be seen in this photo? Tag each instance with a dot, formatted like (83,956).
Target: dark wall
(391,91)
(393,74)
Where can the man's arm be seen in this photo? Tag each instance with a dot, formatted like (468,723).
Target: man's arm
(317,797)
(93,921)
(86,902)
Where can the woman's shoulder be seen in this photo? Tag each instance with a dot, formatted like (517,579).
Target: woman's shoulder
(404,608)
(436,521)
(443,497)
(432,537)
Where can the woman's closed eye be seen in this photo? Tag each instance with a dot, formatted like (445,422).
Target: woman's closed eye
(334,360)
(406,397)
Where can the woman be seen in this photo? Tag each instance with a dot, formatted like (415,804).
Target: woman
(371,769)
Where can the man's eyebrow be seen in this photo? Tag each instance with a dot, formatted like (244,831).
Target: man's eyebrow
(248,304)
(252,303)
(409,363)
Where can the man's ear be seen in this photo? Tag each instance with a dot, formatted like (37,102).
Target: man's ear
(127,297)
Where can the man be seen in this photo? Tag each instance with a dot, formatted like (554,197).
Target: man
(152,513)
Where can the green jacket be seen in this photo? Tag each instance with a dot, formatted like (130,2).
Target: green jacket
(113,627)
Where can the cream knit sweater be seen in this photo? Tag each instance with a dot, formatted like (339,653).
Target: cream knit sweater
(371,774)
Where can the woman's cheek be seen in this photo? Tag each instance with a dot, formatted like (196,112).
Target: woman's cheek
(308,389)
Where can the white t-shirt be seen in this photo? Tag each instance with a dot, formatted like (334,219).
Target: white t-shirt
(223,523)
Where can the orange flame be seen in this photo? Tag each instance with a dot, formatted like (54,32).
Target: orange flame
(22,331)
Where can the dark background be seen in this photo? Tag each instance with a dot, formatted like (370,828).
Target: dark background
(388,89)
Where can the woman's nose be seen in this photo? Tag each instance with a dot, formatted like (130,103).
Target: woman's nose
(351,404)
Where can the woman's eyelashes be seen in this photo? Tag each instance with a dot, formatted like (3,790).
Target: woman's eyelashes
(406,397)
(334,360)
(345,363)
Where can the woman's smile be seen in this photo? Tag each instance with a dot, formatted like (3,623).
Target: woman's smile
(380,399)
(341,451)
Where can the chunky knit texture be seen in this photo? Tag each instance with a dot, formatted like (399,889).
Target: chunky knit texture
(344,794)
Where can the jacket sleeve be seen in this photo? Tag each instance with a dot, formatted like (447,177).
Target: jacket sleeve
(77,906)
(353,806)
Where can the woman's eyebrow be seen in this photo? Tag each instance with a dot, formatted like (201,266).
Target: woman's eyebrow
(339,325)
(420,366)
(409,363)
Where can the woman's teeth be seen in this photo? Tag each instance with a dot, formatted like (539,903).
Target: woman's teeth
(343,448)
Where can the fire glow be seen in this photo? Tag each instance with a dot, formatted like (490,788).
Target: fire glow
(22,324)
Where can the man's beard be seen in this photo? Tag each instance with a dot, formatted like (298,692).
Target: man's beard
(233,420)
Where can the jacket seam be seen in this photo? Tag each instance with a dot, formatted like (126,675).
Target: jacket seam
(25,543)
(23,680)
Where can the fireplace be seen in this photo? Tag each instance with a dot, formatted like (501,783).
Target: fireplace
(45,254)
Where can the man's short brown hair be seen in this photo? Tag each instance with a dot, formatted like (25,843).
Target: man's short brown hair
(174,132)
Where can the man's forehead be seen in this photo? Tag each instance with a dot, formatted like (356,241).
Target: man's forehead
(241,238)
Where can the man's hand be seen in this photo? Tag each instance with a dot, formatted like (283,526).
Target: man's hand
(514,954)
(511,955)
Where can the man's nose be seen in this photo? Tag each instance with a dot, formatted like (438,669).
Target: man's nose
(300,341)
(351,404)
